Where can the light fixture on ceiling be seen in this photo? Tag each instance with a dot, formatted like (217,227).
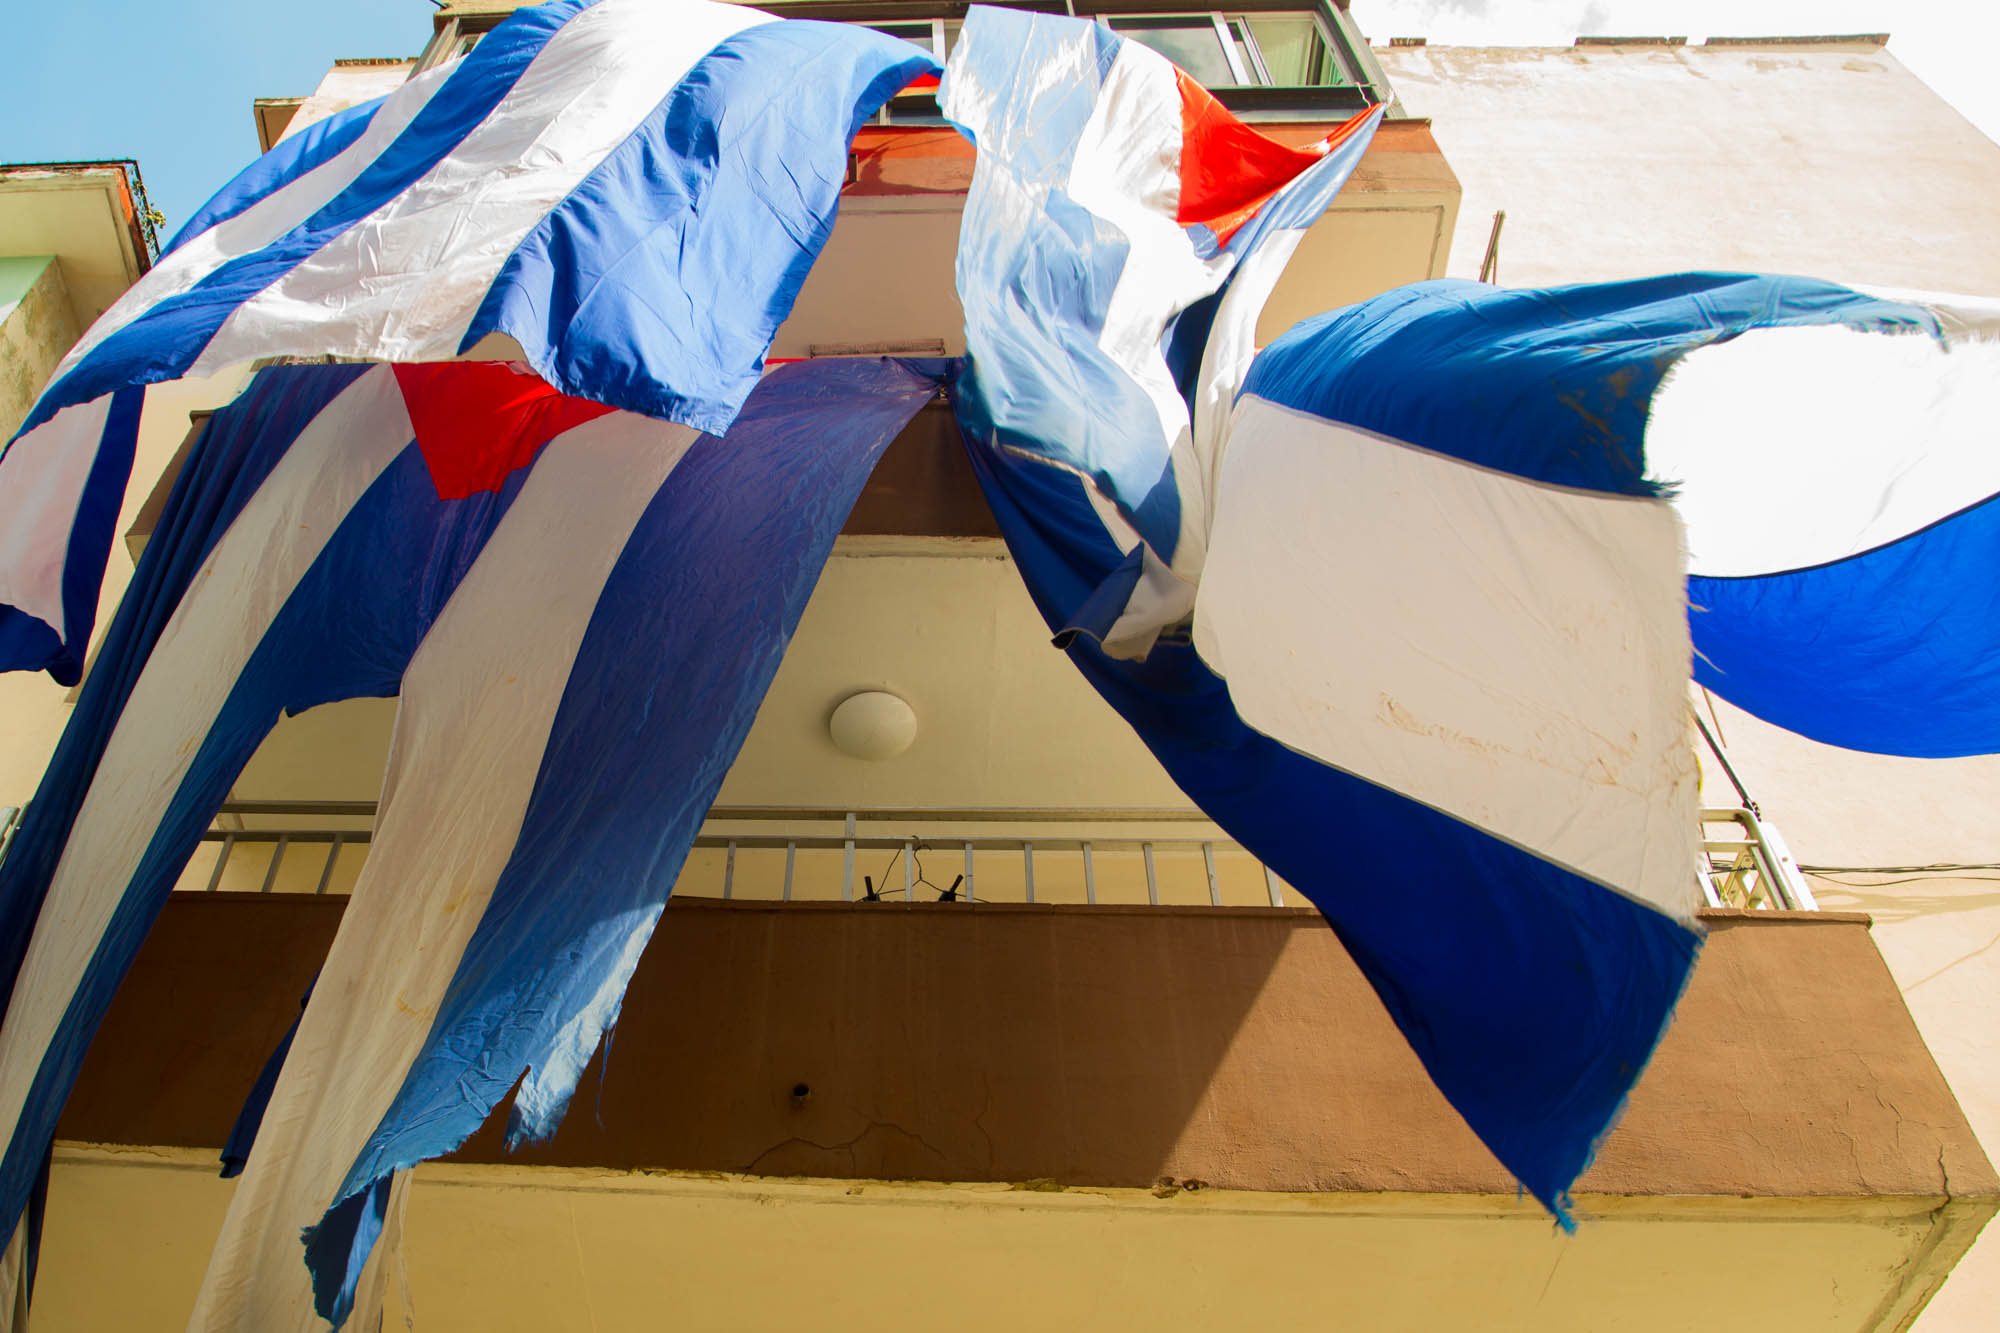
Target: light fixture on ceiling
(873,724)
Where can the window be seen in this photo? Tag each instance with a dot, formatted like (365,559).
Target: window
(1280,48)
(457,36)
(935,35)
(1293,51)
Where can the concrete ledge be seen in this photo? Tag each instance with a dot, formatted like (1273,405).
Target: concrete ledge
(1134,1048)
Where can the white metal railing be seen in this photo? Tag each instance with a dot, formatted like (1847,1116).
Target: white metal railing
(787,854)
(1745,863)
(796,854)
(1088,856)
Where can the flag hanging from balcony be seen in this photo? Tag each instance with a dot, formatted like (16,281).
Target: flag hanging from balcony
(580,609)
(1398,603)
(631,191)
(1354,656)
(1437,647)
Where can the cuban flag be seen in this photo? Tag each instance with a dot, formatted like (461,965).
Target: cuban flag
(1446,703)
(580,608)
(1402,600)
(627,194)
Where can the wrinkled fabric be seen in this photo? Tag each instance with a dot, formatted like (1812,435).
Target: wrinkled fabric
(631,191)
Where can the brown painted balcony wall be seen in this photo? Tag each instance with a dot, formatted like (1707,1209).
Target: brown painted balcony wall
(1094,1046)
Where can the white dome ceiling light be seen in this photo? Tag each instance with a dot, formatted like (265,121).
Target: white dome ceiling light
(873,724)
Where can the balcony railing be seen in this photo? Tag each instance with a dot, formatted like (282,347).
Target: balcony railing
(1745,863)
(1045,856)
(792,854)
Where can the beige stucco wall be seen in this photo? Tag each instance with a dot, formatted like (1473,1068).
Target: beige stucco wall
(549,1250)
(347,84)
(1003,719)
(1829,161)
(36,327)
(1617,162)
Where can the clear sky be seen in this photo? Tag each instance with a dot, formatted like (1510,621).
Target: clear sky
(171,83)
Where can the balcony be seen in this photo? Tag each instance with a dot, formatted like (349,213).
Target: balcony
(1149,1078)
(1003,1032)
(1074,856)
(1119,1069)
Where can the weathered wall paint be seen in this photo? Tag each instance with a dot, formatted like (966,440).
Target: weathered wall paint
(349,83)
(36,328)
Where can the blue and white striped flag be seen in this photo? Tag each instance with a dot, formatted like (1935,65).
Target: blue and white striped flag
(580,609)
(1832,454)
(1402,602)
(632,191)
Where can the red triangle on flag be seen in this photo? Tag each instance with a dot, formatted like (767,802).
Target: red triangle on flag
(1228,169)
(478,422)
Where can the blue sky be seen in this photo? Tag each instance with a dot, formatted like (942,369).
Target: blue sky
(171,83)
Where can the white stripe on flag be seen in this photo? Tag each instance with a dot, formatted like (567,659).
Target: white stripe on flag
(42,478)
(1510,653)
(478,702)
(1127,171)
(429,254)
(219,623)
(1846,441)
(265,221)
(1959,316)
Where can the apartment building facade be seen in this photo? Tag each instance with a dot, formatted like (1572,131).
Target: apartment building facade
(996,1028)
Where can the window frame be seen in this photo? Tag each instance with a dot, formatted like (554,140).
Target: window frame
(1255,98)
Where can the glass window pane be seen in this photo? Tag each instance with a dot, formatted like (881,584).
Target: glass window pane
(951,27)
(1293,50)
(919,33)
(1189,42)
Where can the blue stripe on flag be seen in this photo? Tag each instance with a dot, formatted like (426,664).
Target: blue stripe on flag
(347,630)
(684,641)
(224,468)
(1533,996)
(1551,384)
(165,340)
(291,157)
(29,644)
(1893,651)
(631,291)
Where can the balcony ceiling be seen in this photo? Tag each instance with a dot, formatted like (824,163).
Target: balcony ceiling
(83,216)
